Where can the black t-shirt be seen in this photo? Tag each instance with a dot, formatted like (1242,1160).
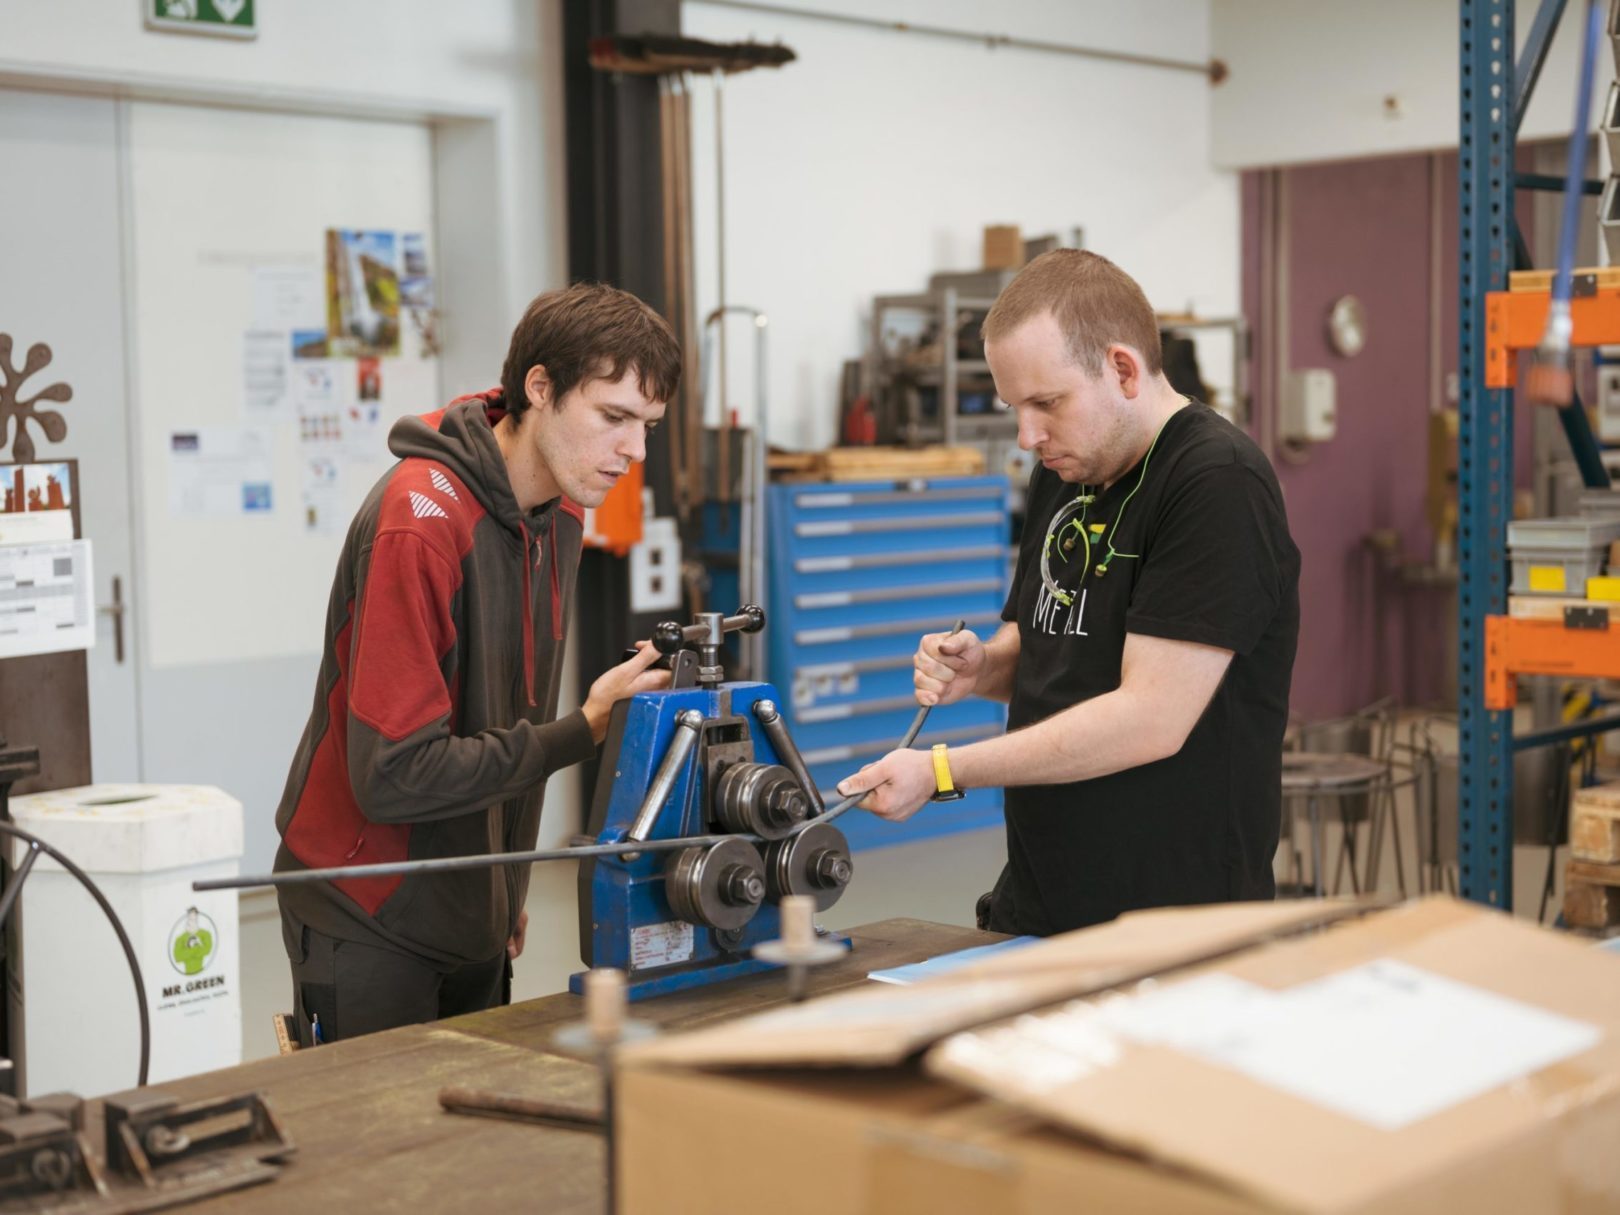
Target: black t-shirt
(1203,554)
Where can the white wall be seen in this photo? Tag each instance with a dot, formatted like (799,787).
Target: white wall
(1309,78)
(408,58)
(878,157)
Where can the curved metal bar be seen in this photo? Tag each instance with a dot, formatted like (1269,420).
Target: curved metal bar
(37,845)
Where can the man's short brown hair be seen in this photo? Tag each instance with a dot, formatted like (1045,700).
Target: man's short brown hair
(1094,302)
(586,332)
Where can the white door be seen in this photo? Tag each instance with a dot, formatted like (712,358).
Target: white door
(229,215)
(62,285)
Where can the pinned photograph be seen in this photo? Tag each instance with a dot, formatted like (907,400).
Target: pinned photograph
(45,487)
(310,344)
(369,379)
(38,502)
(416,292)
(362,293)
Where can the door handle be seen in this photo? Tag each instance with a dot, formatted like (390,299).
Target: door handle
(116,609)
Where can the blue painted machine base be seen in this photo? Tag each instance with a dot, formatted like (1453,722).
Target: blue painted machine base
(686,978)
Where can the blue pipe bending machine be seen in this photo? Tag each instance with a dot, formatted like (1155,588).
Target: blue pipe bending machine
(701,758)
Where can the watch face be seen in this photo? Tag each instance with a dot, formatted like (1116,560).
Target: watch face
(1347,326)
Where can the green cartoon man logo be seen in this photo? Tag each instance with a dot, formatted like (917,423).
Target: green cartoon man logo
(193,943)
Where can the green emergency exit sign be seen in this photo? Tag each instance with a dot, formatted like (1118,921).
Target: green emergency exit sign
(230,18)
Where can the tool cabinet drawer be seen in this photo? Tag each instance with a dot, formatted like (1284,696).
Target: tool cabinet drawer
(858,573)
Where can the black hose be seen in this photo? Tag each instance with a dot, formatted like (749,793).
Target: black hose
(34,842)
(487,860)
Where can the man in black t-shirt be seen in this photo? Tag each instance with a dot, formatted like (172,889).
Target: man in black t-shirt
(1150,627)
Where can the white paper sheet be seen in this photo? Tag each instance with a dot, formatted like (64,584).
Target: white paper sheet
(35,527)
(265,390)
(47,598)
(221,472)
(288,297)
(1386,1043)
(322,481)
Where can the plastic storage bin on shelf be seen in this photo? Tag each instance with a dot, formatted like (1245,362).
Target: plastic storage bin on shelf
(1557,556)
(859,572)
(143,845)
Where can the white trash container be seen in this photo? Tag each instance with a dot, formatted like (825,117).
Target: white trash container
(143,845)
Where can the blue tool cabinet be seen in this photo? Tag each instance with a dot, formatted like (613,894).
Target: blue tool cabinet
(858,573)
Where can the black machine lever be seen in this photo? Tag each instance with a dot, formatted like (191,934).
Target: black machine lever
(706,635)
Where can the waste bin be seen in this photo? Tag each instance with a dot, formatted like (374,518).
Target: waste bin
(75,1023)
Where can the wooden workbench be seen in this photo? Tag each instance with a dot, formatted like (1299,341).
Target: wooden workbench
(370,1134)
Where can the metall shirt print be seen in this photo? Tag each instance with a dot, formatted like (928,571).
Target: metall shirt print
(1046,618)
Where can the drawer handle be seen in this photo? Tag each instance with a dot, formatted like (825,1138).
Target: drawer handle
(900,523)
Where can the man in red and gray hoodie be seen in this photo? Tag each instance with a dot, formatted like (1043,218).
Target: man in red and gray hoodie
(435,720)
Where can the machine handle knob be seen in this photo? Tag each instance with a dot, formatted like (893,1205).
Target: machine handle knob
(668,638)
(750,618)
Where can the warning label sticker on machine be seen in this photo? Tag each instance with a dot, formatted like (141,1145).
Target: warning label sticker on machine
(660,944)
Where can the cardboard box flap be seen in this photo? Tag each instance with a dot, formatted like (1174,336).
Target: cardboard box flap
(880,1025)
(1325,1073)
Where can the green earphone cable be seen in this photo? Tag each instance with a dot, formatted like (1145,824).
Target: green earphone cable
(1083,500)
(1119,518)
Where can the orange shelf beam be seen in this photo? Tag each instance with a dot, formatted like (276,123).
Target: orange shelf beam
(1515,646)
(1514,321)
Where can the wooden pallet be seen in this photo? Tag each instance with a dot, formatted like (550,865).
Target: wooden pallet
(877,463)
(1551,607)
(1594,824)
(1591,895)
(1541,280)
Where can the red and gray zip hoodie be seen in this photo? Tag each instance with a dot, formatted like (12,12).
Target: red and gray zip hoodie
(432,733)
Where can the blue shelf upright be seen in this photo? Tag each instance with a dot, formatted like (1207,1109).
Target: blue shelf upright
(1485,438)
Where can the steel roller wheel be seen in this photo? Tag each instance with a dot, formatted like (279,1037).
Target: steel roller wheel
(763,799)
(816,862)
(721,886)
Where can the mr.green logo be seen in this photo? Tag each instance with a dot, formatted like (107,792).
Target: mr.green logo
(192,943)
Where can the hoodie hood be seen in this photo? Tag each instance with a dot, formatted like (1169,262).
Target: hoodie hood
(461,436)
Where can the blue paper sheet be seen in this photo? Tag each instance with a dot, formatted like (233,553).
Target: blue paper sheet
(947,962)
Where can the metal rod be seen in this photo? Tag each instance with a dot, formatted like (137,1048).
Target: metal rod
(905,745)
(722,437)
(83,878)
(1555,185)
(687,725)
(458,1099)
(1575,161)
(14,886)
(1528,71)
(1212,69)
(691,383)
(786,750)
(451,864)
(1579,729)
(753,644)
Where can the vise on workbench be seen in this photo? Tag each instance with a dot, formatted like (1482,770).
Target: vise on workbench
(707,759)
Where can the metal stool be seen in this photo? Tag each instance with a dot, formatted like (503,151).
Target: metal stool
(1312,776)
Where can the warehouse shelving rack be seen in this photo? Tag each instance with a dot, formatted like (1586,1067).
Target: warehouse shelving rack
(1494,324)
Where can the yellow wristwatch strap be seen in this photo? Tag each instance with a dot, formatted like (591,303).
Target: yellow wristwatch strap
(942,771)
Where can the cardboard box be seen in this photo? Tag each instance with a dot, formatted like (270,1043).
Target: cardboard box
(1318,1057)
(1003,247)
